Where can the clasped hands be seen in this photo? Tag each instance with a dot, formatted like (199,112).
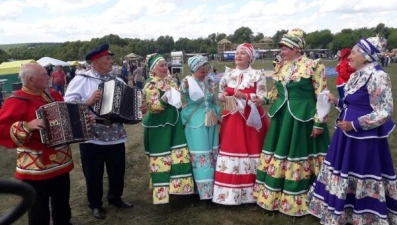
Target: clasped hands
(241,95)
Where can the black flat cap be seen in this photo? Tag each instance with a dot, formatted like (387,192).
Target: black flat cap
(98,52)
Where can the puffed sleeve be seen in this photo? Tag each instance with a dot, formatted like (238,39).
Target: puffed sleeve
(319,80)
(223,82)
(261,88)
(153,98)
(381,101)
(272,95)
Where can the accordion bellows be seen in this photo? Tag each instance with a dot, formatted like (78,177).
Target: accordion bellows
(120,102)
(65,123)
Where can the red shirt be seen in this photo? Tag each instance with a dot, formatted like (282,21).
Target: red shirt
(58,77)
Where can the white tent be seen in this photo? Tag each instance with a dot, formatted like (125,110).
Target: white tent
(133,56)
(46,61)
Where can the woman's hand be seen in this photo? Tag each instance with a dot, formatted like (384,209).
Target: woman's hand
(143,107)
(222,96)
(241,95)
(316,132)
(332,99)
(345,125)
(166,88)
(258,101)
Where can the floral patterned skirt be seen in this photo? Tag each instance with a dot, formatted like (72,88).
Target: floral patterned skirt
(290,160)
(169,162)
(237,161)
(203,145)
(357,183)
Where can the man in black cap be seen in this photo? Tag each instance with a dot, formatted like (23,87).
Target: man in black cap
(108,143)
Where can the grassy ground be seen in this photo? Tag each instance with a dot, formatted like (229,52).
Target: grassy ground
(182,209)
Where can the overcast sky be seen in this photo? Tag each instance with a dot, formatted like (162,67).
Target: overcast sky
(25,21)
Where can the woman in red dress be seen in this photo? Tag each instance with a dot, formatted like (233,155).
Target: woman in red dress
(243,130)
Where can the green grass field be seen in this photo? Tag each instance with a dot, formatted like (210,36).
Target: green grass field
(182,209)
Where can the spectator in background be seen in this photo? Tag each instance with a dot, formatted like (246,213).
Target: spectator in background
(48,69)
(344,70)
(138,77)
(59,80)
(214,71)
(124,72)
(116,70)
(176,79)
(72,72)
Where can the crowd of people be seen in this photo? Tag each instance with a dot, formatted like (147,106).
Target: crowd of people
(231,153)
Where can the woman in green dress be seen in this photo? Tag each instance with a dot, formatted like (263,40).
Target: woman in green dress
(298,138)
(164,138)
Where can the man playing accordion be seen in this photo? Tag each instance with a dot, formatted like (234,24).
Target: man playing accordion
(45,168)
(108,143)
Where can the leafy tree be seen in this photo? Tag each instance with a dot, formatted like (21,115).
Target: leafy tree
(3,56)
(392,40)
(242,34)
(365,32)
(277,37)
(181,44)
(259,36)
(164,44)
(345,39)
(212,38)
(319,39)
(220,36)
(111,39)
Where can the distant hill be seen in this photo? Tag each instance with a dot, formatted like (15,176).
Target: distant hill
(6,47)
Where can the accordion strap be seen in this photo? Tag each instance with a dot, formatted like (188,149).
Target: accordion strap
(27,98)
(97,78)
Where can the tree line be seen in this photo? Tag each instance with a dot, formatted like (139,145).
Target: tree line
(76,50)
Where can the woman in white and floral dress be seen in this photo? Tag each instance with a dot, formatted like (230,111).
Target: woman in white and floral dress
(243,130)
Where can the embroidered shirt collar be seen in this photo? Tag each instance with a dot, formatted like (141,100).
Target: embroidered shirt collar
(244,70)
(106,76)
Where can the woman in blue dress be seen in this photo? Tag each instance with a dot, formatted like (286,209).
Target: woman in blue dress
(357,183)
(200,117)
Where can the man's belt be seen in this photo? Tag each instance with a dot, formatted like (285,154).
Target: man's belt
(104,122)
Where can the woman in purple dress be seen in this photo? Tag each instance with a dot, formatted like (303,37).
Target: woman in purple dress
(357,183)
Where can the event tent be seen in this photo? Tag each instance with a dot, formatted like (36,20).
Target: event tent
(9,72)
(47,61)
(133,56)
(75,63)
(13,66)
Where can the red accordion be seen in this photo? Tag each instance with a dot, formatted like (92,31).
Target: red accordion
(65,123)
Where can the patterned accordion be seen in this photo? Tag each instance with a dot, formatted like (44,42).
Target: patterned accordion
(120,102)
(65,122)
